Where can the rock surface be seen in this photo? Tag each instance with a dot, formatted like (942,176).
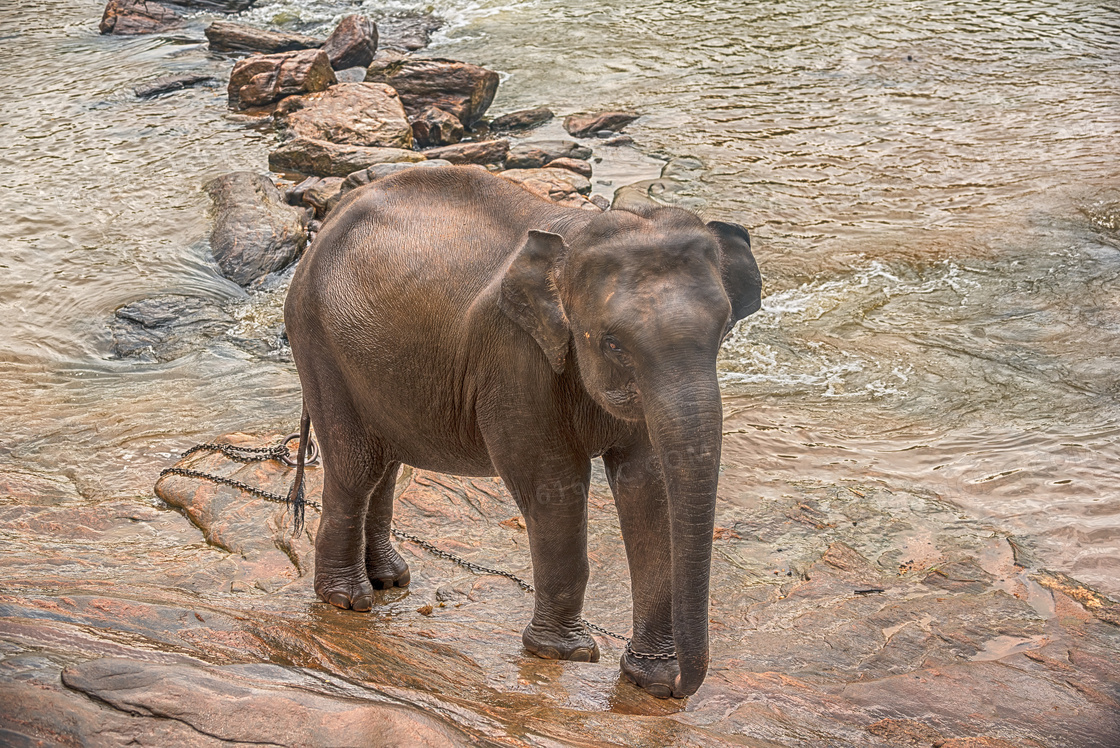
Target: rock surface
(526,119)
(571,164)
(264,79)
(408,32)
(559,185)
(321,158)
(353,43)
(226,36)
(170,83)
(588,125)
(435,127)
(368,114)
(163,328)
(486,152)
(536,154)
(255,232)
(131,17)
(459,88)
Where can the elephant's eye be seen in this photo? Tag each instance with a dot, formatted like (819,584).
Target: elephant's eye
(612,344)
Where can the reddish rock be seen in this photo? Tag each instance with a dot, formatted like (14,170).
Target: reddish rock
(587,125)
(459,88)
(322,158)
(536,154)
(435,127)
(368,114)
(486,152)
(571,164)
(263,79)
(526,119)
(226,36)
(130,17)
(353,43)
(559,185)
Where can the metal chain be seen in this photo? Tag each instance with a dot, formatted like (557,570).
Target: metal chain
(280,452)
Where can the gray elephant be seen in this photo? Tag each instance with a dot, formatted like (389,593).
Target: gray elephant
(450,320)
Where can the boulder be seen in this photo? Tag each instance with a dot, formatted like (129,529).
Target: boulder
(459,88)
(378,171)
(535,155)
(526,119)
(559,185)
(587,125)
(225,36)
(368,114)
(353,43)
(169,83)
(435,127)
(486,152)
(130,17)
(571,164)
(263,79)
(255,232)
(319,195)
(407,32)
(322,158)
(163,328)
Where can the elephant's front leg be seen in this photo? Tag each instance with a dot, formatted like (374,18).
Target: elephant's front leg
(643,511)
(553,497)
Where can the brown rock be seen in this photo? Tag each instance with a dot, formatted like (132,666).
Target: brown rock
(226,36)
(526,119)
(486,152)
(435,127)
(537,154)
(325,159)
(130,17)
(353,43)
(407,32)
(168,83)
(906,732)
(586,125)
(263,79)
(320,195)
(368,114)
(459,88)
(558,185)
(571,164)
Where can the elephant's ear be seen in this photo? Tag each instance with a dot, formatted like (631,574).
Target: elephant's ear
(741,278)
(529,296)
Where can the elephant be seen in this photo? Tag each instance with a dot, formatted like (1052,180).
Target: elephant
(451,320)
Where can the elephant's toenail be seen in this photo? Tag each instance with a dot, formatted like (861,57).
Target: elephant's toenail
(659,690)
(581,654)
(363,604)
(339,600)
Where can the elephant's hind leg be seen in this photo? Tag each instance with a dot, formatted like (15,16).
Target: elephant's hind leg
(384,566)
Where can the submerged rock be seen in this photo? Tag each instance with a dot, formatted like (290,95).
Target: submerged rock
(264,79)
(255,232)
(407,32)
(353,43)
(170,83)
(131,17)
(226,36)
(539,153)
(526,119)
(676,178)
(367,114)
(486,152)
(458,88)
(588,125)
(163,328)
(321,158)
(435,127)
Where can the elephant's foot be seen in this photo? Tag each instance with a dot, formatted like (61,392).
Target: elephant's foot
(385,567)
(656,676)
(348,589)
(553,642)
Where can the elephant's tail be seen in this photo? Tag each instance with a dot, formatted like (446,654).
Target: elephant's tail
(296,500)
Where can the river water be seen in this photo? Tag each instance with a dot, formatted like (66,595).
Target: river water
(933,189)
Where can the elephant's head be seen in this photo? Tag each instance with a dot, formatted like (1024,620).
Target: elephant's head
(643,302)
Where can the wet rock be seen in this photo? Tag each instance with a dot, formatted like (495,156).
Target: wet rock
(163,328)
(486,152)
(325,159)
(670,189)
(458,88)
(618,141)
(571,164)
(537,154)
(263,79)
(226,36)
(131,17)
(588,125)
(215,6)
(559,185)
(373,173)
(525,119)
(601,202)
(407,32)
(320,195)
(255,233)
(353,43)
(169,83)
(367,114)
(435,127)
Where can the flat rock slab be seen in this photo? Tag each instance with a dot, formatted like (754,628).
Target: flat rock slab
(163,328)
(588,125)
(366,114)
(459,88)
(227,36)
(260,80)
(484,152)
(842,615)
(525,119)
(171,83)
(539,153)
(322,158)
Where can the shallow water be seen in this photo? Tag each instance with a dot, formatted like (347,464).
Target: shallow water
(932,188)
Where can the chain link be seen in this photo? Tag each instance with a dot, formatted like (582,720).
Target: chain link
(279,452)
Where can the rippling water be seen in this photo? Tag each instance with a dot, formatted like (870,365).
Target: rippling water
(933,188)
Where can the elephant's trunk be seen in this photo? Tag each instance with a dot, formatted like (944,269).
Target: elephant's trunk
(684,416)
